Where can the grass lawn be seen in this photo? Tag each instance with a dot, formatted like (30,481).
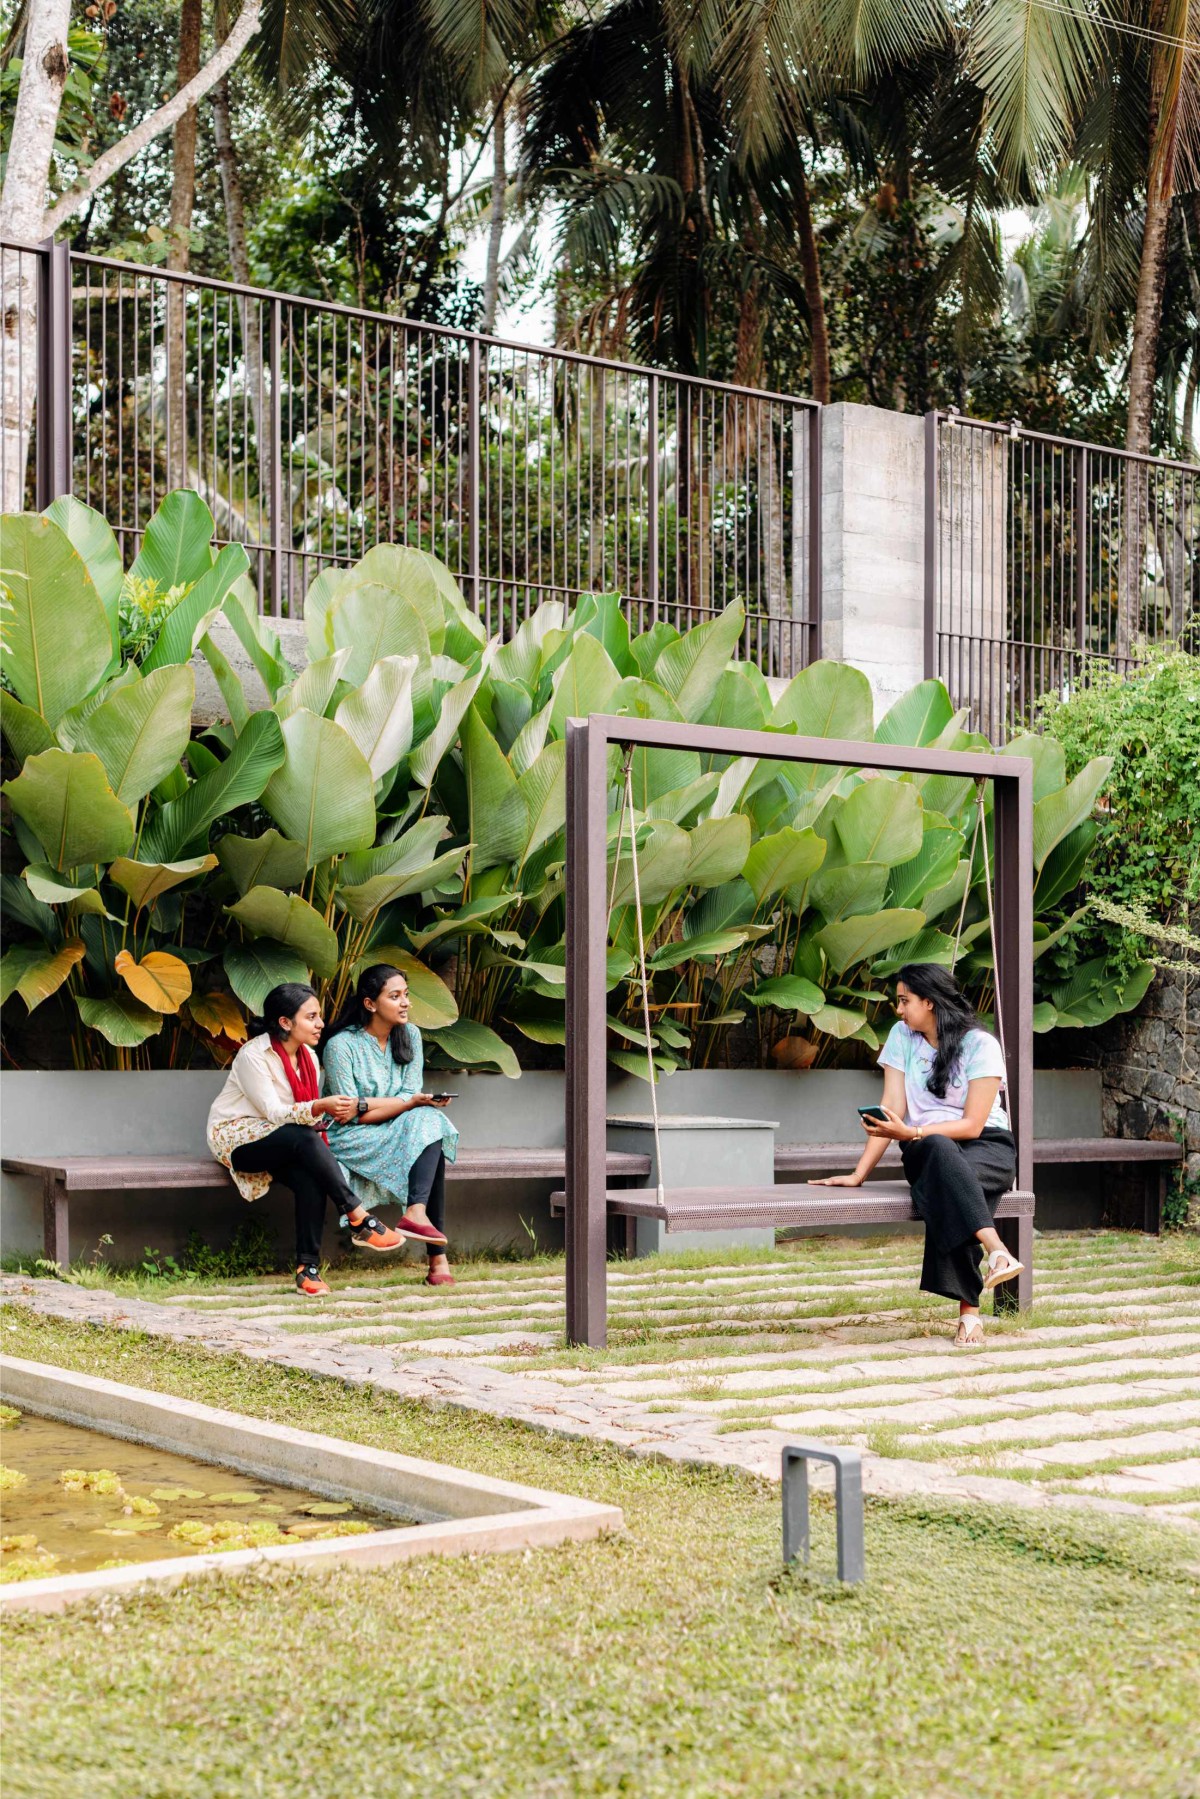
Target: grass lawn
(1043,1655)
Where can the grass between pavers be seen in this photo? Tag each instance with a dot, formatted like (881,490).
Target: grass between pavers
(1043,1654)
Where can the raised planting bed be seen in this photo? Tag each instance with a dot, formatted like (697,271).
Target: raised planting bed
(445,1511)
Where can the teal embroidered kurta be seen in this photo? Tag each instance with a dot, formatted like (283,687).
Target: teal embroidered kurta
(378,1157)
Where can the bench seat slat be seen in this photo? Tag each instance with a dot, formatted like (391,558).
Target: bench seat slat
(103,1174)
(716,1208)
(815,1158)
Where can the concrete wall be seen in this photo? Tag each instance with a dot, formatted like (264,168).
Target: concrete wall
(873,545)
(88,1113)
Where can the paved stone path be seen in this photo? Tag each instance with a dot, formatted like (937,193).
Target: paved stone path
(1092,1400)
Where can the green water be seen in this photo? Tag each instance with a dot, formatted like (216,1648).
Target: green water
(158,1505)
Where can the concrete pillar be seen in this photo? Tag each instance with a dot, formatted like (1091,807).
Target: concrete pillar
(873,546)
(700,1151)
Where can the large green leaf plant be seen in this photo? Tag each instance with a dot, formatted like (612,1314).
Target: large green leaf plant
(402,797)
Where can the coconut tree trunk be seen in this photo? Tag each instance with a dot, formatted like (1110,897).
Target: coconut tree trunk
(810,263)
(183,199)
(22,212)
(491,280)
(250,312)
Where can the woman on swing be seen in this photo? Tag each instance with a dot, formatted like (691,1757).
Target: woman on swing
(396,1147)
(941,1102)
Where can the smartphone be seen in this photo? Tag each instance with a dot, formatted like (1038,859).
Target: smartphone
(443,1096)
(876,1114)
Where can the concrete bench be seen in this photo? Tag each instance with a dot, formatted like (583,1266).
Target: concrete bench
(1158,1160)
(64,1175)
(877,1203)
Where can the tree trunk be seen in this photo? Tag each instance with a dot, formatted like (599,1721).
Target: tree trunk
(183,198)
(491,280)
(810,262)
(22,213)
(251,313)
(1166,76)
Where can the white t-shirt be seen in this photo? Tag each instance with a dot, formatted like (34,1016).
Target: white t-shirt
(981,1057)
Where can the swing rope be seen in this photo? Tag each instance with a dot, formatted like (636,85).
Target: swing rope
(981,834)
(627,810)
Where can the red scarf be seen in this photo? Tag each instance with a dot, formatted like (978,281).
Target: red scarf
(302,1079)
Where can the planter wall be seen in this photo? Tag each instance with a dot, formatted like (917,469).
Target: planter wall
(68,1113)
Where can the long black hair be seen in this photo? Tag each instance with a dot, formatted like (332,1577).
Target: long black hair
(952,1013)
(282,1002)
(354,1014)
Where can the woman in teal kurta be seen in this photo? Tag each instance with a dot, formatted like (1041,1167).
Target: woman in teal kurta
(396,1150)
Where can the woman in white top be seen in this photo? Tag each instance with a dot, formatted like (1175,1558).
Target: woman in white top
(941,1098)
(266,1121)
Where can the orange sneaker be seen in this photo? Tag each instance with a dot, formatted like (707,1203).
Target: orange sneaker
(309,1282)
(371,1233)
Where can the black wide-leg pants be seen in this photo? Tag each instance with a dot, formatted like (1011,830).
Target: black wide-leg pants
(303,1160)
(956,1187)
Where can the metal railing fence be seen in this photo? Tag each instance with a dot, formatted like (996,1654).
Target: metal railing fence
(314,431)
(1047,558)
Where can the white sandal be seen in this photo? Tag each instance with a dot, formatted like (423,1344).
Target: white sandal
(970,1332)
(1001,1267)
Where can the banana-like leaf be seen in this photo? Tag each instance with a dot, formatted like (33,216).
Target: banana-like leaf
(57,640)
(663,855)
(1045,938)
(706,948)
(848,890)
(931,867)
(188,621)
(290,921)
(1060,813)
(736,703)
(323,797)
(259,639)
(432,1005)
(684,802)
(788,993)
(720,909)
(229,682)
(719,848)
(92,536)
(52,888)
(141,733)
(857,939)
(378,715)
(827,699)
(1049,762)
(27,732)
(373,878)
(314,687)
(177,545)
(35,971)
(926,946)
(319,601)
(123,1020)
(372,622)
(520,659)
(497,809)
(544,789)
(266,861)
(601,615)
(68,804)
(217,1014)
(145,882)
(881,822)
(424,761)
(584,683)
(183,823)
(421,581)
(1063,868)
(252,969)
(160,981)
(783,859)
(690,669)
(475,1044)
(918,717)
(838,1021)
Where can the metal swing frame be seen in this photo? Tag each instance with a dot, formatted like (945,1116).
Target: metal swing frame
(587,773)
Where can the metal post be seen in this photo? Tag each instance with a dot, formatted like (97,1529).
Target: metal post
(474,456)
(815,582)
(1082,543)
(932,534)
(1012,816)
(276,475)
(652,460)
(54,424)
(586,942)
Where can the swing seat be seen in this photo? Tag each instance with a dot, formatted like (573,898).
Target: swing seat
(875,1203)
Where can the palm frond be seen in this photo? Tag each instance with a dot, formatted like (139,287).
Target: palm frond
(1036,64)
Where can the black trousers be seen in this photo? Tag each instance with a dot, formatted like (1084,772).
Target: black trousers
(427,1187)
(956,1187)
(304,1161)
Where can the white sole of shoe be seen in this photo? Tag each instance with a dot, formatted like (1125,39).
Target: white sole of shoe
(1007,1273)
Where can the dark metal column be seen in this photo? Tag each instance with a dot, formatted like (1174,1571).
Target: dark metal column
(932,524)
(587,931)
(652,506)
(1013,816)
(275,499)
(54,425)
(474,475)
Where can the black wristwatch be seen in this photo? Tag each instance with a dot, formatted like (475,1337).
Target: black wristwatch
(362,1107)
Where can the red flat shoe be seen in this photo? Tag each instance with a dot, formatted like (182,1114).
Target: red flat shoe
(420,1232)
(439,1280)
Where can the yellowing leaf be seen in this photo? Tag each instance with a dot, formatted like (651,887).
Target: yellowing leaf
(217,1014)
(160,981)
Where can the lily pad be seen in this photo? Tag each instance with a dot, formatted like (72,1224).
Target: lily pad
(234,1499)
(126,1527)
(326,1508)
(169,1495)
(269,1505)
